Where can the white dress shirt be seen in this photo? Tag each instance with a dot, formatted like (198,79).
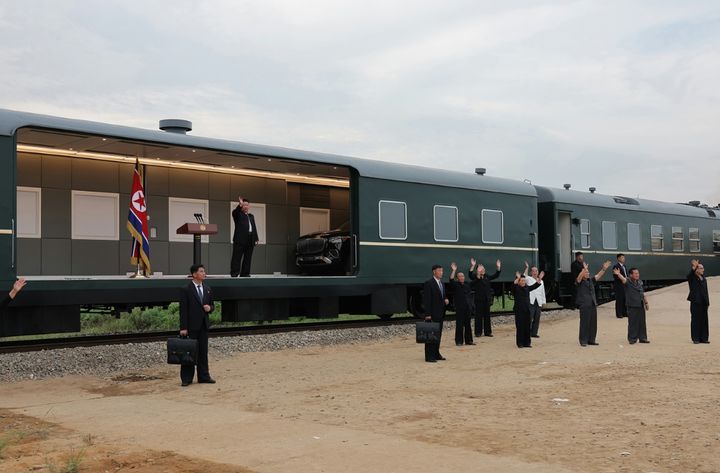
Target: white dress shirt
(536,294)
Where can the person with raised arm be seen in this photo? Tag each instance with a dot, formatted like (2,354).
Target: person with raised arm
(462,300)
(586,302)
(521,309)
(636,304)
(10,296)
(484,296)
(537,299)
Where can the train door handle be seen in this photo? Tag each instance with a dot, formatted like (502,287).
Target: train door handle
(12,245)
(355,251)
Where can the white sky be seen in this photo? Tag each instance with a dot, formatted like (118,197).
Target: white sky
(620,95)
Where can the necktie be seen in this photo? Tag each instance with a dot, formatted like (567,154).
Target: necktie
(200,292)
(442,292)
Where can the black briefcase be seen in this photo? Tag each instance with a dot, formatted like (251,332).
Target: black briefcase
(182,351)
(427,332)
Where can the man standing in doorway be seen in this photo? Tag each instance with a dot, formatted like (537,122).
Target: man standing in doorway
(484,296)
(244,239)
(618,286)
(434,302)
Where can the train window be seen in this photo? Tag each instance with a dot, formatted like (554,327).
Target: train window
(585,233)
(716,241)
(28,212)
(694,239)
(657,238)
(492,226)
(678,239)
(95,215)
(609,235)
(392,220)
(633,230)
(445,220)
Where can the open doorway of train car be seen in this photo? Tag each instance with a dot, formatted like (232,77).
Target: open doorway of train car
(565,242)
(73,192)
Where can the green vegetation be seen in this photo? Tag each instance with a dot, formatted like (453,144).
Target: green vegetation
(156,319)
(3,444)
(72,463)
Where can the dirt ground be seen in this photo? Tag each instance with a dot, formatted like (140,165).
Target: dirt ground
(557,407)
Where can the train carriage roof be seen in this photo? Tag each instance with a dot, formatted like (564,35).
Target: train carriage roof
(11,121)
(568,196)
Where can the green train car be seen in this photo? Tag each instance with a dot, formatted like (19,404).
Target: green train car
(658,238)
(65,192)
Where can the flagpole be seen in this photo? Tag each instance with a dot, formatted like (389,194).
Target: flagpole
(139,274)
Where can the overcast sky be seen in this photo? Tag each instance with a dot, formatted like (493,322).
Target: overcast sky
(621,95)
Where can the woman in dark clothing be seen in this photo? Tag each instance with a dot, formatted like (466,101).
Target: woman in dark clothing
(521,292)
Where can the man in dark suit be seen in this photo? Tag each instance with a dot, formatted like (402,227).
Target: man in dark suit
(434,302)
(637,305)
(699,303)
(619,287)
(576,268)
(244,239)
(484,296)
(463,302)
(196,303)
(10,296)
(586,302)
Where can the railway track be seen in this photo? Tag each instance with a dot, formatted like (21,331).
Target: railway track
(15,346)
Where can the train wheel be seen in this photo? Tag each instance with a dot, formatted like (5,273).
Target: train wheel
(415,305)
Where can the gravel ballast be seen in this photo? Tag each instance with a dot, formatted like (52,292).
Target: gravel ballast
(114,360)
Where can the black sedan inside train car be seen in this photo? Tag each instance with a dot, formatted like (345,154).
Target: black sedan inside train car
(658,238)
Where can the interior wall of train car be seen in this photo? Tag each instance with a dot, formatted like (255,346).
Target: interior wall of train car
(73,210)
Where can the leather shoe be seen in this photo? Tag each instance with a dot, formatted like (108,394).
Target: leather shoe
(471,343)
(696,342)
(489,335)
(644,341)
(185,384)
(593,343)
(430,361)
(208,381)
(632,342)
(441,358)
(583,344)
(535,336)
(704,341)
(459,344)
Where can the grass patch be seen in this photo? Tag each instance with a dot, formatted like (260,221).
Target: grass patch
(70,465)
(3,445)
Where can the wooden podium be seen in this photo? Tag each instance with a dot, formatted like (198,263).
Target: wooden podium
(197,230)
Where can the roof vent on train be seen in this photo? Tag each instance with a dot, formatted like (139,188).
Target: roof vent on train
(625,200)
(694,203)
(480,171)
(592,190)
(172,125)
(567,186)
